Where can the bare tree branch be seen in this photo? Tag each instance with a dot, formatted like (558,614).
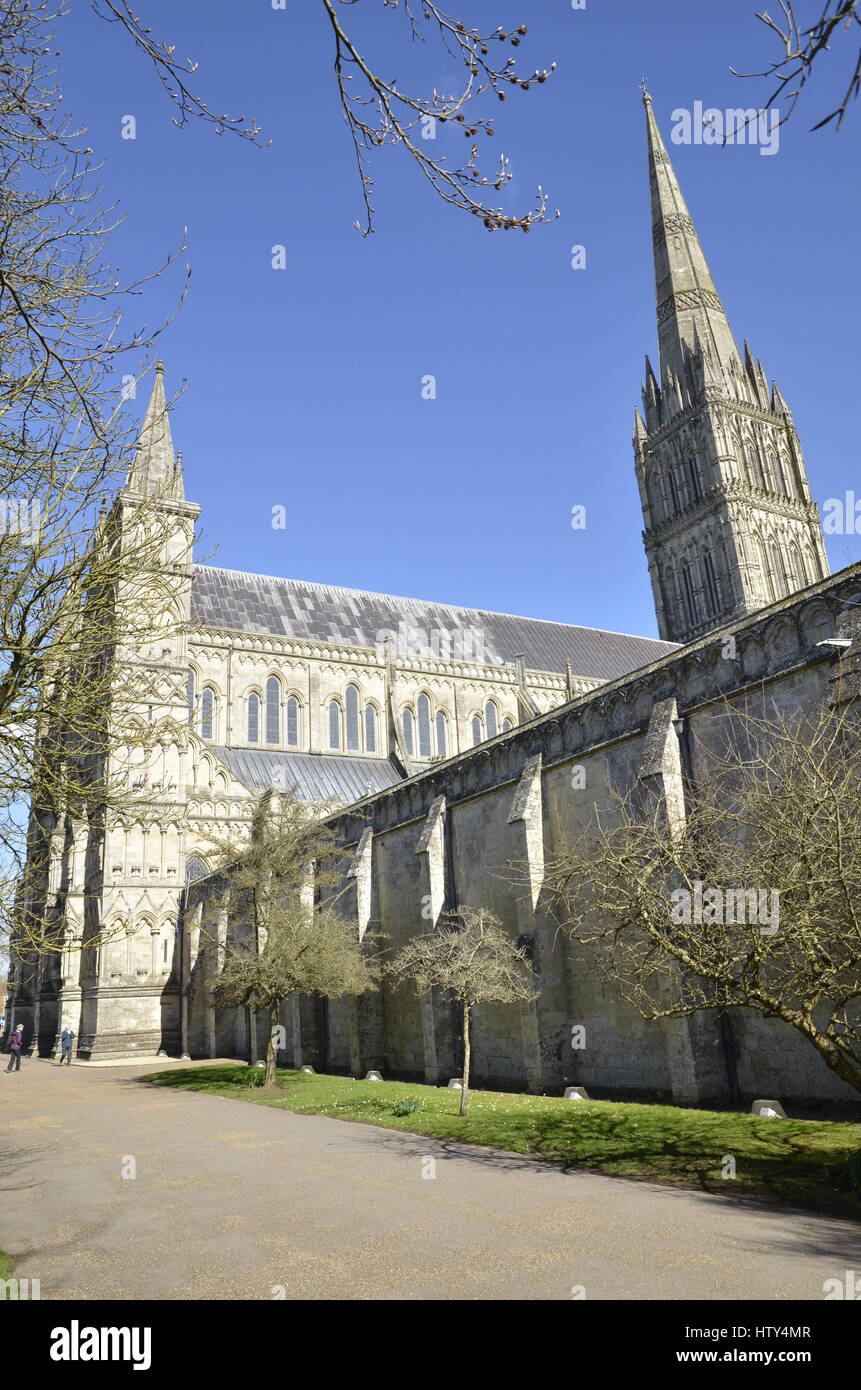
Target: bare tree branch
(800,50)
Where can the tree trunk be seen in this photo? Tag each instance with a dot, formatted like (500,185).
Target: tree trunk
(464,1094)
(831,1055)
(271,1049)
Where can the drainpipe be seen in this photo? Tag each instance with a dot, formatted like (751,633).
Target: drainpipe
(728,1045)
(323,1005)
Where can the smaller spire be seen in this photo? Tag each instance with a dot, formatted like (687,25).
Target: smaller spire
(748,360)
(154,469)
(777,401)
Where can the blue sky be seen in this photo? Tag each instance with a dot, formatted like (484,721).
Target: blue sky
(304,385)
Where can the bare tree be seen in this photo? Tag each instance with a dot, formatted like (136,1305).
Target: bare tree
(82,573)
(474,958)
(802,46)
(379,112)
(752,901)
(282,943)
(78,575)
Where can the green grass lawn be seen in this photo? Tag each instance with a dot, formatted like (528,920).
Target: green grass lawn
(5,1265)
(806,1163)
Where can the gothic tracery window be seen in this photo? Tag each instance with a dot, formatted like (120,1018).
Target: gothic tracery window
(253,718)
(781,469)
(442,735)
(423,713)
(809,565)
(273,710)
(797,567)
(778,576)
(491,719)
(674,489)
(207,713)
(370,729)
(293,730)
(694,479)
(408,725)
(351,702)
(712,592)
(334,724)
(477,730)
(195,868)
(689,594)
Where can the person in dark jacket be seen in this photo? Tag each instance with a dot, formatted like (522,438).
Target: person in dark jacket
(16,1043)
(67,1037)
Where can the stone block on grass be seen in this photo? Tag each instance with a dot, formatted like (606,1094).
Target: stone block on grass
(770,1109)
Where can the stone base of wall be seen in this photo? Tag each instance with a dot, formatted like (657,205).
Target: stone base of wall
(120,1044)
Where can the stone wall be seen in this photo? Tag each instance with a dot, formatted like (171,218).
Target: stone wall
(478,829)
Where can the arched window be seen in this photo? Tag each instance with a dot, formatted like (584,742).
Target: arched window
(370,729)
(781,470)
(762,471)
(492,721)
(190,693)
(334,724)
(195,868)
(779,585)
(207,714)
(507,725)
(423,712)
(442,735)
(292,722)
(674,489)
(273,710)
(688,593)
(712,592)
(809,565)
(694,479)
(797,566)
(409,731)
(477,730)
(253,718)
(351,702)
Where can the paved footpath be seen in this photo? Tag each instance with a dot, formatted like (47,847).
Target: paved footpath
(232,1200)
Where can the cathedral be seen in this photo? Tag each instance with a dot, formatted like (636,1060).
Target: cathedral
(420,714)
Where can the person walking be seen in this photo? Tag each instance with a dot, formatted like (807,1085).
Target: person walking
(16,1043)
(67,1037)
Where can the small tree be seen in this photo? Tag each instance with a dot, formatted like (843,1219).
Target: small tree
(753,900)
(282,943)
(471,956)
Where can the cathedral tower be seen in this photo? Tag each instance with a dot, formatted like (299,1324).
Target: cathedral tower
(729,522)
(129,982)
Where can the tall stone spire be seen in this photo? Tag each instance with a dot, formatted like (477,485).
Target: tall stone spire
(154,470)
(690,312)
(729,522)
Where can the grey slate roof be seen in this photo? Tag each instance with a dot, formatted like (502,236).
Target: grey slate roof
(310,776)
(295,608)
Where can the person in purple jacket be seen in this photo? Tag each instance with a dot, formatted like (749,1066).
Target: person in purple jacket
(16,1042)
